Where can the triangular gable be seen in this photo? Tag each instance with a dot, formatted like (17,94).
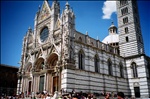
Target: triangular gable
(39,54)
(58,22)
(53,49)
(45,11)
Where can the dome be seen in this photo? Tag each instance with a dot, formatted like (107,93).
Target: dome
(112,26)
(113,38)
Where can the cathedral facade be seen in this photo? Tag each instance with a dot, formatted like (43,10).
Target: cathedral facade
(56,56)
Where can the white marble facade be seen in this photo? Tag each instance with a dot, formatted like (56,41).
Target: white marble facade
(56,56)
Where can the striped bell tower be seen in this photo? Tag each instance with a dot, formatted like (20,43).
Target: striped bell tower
(130,36)
(132,48)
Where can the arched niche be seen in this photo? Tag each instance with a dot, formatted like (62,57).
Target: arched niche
(52,60)
(39,65)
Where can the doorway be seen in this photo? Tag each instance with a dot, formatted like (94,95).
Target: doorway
(41,84)
(55,83)
(29,87)
(137,92)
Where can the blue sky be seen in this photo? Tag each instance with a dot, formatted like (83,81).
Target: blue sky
(17,16)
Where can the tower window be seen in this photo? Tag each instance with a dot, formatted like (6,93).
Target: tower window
(113,30)
(123,2)
(126,30)
(127,39)
(121,70)
(124,11)
(125,20)
(134,70)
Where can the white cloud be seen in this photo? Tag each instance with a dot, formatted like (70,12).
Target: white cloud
(108,8)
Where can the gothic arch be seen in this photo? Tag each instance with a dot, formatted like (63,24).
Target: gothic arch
(54,49)
(136,84)
(81,51)
(52,60)
(92,44)
(81,59)
(109,60)
(80,39)
(39,64)
(132,61)
(96,55)
(134,70)
(28,67)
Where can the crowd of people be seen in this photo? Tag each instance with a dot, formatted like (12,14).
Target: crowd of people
(67,95)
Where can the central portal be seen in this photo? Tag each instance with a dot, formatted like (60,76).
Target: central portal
(55,83)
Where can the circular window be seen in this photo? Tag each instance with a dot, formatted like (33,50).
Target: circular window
(44,34)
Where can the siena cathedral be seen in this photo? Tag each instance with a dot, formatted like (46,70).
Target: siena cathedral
(56,56)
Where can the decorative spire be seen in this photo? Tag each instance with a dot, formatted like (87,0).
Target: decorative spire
(39,7)
(55,3)
(112,29)
(86,32)
(67,5)
(29,29)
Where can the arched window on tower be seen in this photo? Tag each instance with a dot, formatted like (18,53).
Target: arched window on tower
(110,71)
(134,70)
(126,29)
(121,70)
(81,60)
(123,2)
(127,39)
(125,20)
(124,11)
(96,63)
(148,67)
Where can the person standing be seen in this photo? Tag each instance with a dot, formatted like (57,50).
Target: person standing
(120,95)
(107,96)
